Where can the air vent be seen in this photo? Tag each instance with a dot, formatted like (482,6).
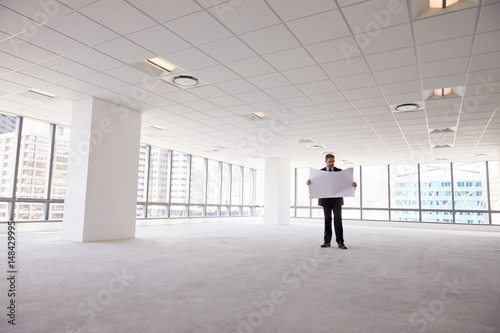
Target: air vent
(406,107)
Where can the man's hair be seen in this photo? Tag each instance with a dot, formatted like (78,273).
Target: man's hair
(329,156)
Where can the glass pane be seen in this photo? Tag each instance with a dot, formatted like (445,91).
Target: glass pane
(60,167)
(198,181)
(28,211)
(303,212)
(56,211)
(435,187)
(471,218)
(382,215)
(143,168)
(236,185)
(247,211)
(224,211)
(248,186)
(180,178)
(178,211)
(159,174)
(7,151)
(494,173)
(302,189)
(195,211)
(404,187)
(157,211)
(214,182)
(139,212)
(293,190)
(470,187)
(33,160)
(354,202)
(4,211)
(404,215)
(351,214)
(235,211)
(259,211)
(259,195)
(226,183)
(318,213)
(495,218)
(212,211)
(375,188)
(442,217)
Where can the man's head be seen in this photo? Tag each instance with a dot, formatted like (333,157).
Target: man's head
(329,160)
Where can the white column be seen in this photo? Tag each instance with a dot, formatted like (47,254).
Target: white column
(277,191)
(101,190)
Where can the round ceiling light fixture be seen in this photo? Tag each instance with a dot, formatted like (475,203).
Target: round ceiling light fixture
(186,80)
(407,107)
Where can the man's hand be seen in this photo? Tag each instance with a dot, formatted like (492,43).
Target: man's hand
(354,184)
(308,182)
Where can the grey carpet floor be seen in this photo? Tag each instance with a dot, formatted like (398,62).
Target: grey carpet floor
(246,277)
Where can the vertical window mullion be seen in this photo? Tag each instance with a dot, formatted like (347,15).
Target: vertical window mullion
(17,144)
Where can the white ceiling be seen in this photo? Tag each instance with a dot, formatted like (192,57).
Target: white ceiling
(324,70)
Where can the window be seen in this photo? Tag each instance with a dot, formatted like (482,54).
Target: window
(180,180)
(375,188)
(404,189)
(433,195)
(198,181)
(32,130)
(236,185)
(472,194)
(248,186)
(214,182)
(226,184)
(159,176)
(7,133)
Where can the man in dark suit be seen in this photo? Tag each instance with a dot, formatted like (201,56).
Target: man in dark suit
(335,205)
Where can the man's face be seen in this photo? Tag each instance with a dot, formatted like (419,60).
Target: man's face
(329,162)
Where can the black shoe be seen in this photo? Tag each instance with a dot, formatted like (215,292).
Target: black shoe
(342,246)
(325,245)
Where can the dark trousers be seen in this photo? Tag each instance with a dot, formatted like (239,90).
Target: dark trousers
(336,207)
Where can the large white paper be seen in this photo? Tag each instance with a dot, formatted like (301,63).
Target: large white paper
(331,184)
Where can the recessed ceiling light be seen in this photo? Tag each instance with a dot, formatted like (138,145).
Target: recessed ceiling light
(157,127)
(185,80)
(161,64)
(43,93)
(316,147)
(442,92)
(259,115)
(407,107)
(441,3)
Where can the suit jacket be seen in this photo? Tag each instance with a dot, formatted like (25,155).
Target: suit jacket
(325,201)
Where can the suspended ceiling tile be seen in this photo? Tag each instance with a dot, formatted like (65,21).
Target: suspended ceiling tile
(445,27)
(206,30)
(319,28)
(166,10)
(245,16)
(118,16)
(271,39)
(158,40)
(80,28)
